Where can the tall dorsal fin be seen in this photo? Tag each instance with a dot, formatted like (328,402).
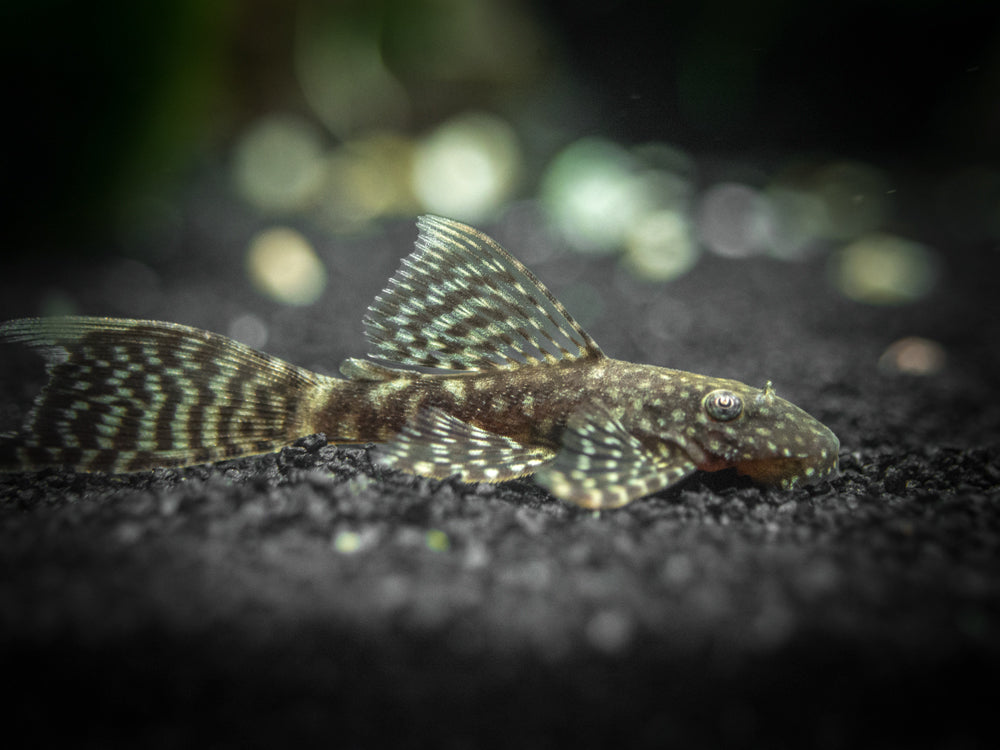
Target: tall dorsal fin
(461,302)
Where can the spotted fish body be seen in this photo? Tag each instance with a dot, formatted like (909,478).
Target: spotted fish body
(476,371)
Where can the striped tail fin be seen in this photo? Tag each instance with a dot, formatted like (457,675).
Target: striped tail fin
(127,395)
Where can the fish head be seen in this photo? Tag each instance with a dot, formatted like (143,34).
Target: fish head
(761,435)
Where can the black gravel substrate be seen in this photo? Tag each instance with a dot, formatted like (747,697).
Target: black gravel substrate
(310,598)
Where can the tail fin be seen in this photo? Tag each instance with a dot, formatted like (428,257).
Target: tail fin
(126,395)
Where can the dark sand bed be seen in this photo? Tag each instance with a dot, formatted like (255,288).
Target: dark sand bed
(309,597)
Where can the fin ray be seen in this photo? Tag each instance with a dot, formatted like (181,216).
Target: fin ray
(361,369)
(435,444)
(461,302)
(602,465)
(126,395)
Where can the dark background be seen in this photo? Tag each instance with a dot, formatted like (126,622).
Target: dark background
(903,82)
(114,98)
(310,598)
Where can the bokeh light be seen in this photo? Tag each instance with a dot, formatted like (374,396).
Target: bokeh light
(339,63)
(437,540)
(800,221)
(913,355)
(435,106)
(592,194)
(249,329)
(660,246)
(884,269)
(278,163)
(367,178)
(735,220)
(602,198)
(347,542)
(283,265)
(467,167)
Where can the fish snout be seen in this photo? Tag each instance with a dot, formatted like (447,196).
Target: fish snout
(803,451)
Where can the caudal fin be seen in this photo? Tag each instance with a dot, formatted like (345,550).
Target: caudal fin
(126,395)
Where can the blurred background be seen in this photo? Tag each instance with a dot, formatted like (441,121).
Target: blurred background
(757,189)
(864,134)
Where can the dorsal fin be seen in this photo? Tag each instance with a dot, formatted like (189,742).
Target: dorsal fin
(461,302)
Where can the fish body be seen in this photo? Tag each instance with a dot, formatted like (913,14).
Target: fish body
(476,371)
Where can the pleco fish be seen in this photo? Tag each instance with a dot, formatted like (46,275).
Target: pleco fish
(481,374)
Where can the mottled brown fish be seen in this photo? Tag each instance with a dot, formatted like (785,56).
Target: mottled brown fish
(481,374)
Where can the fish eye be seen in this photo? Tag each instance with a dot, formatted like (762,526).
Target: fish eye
(723,405)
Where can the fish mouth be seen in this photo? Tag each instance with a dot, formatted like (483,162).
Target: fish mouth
(781,471)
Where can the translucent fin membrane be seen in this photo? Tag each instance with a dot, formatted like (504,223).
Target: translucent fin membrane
(125,395)
(461,302)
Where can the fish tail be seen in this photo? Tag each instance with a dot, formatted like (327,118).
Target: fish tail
(127,395)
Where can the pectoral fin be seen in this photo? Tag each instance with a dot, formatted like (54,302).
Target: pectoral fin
(601,465)
(436,444)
